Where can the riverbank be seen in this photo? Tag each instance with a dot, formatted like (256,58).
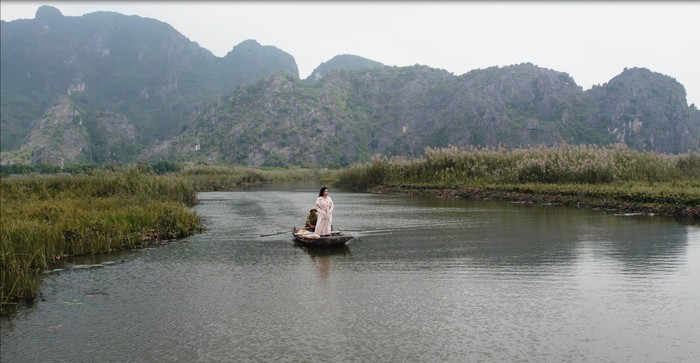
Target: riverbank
(615,178)
(46,218)
(684,208)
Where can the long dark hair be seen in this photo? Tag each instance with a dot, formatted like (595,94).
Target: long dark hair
(320,194)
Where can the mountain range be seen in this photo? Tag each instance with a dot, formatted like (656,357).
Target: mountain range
(106,87)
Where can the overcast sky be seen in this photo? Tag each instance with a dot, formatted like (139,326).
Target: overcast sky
(591,41)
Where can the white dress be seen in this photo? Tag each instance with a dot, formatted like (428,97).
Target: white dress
(324,206)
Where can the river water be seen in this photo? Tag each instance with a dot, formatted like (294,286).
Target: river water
(424,280)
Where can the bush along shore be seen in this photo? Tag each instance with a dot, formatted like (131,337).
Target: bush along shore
(614,178)
(45,218)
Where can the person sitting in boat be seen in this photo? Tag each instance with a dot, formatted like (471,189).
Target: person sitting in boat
(311,221)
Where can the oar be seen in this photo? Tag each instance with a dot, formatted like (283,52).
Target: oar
(364,230)
(274,234)
(351,230)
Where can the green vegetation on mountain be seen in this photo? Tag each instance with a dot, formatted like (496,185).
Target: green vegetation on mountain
(349,115)
(140,69)
(343,61)
(106,87)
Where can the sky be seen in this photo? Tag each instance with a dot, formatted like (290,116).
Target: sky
(591,41)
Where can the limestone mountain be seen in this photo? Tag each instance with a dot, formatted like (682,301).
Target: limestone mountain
(249,61)
(645,110)
(68,135)
(108,87)
(343,61)
(60,136)
(140,68)
(351,114)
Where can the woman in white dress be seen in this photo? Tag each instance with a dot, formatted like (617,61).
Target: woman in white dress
(324,206)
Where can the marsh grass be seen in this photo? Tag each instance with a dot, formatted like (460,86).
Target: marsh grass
(204,178)
(613,176)
(47,217)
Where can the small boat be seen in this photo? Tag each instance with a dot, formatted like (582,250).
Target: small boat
(310,239)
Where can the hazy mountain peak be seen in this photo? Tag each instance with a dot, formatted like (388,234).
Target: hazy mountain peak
(248,43)
(47,12)
(250,61)
(251,45)
(126,83)
(342,61)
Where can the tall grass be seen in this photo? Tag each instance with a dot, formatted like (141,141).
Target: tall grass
(612,175)
(49,216)
(224,177)
(552,165)
(45,217)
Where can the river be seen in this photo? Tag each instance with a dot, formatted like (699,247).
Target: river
(424,280)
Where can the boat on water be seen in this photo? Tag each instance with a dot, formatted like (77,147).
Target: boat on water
(310,239)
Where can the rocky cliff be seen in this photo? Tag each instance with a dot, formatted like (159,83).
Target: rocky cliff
(351,114)
(140,68)
(108,87)
(645,110)
(68,135)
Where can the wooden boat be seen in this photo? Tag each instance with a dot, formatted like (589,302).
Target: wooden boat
(335,239)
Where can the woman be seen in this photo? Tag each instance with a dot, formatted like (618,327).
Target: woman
(324,207)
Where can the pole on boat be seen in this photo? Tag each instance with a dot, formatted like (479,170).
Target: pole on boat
(274,234)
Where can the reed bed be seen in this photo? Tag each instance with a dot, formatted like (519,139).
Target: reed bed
(615,175)
(46,217)
(204,178)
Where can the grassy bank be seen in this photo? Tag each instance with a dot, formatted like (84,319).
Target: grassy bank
(102,209)
(615,177)
(47,216)
(44,217)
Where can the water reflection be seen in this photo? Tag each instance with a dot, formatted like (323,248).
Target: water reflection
(638,242)
(322,257)
(314,252)
(323,263)
(503,234)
